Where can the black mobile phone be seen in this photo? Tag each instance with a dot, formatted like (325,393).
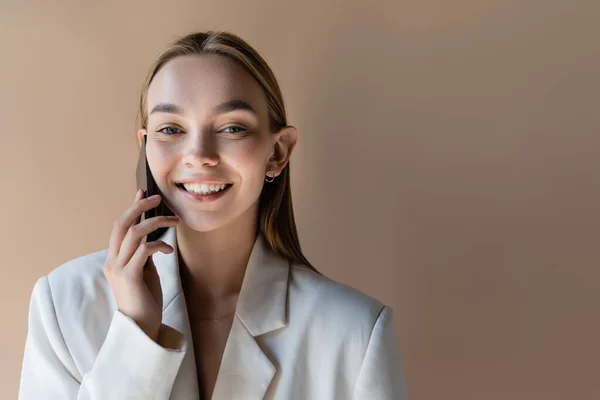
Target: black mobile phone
(146,181)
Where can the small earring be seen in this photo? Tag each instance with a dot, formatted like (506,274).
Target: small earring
(272,176)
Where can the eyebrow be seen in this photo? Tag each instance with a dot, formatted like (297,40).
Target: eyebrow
(233,105)
(167,108)
(228,106)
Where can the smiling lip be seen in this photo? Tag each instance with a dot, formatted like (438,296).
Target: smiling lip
(203,198)
(205,181)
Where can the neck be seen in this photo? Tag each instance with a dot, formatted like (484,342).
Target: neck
(212,264)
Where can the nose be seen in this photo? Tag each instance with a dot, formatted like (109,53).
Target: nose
(200,151)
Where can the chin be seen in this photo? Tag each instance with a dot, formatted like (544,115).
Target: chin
(225,216)
(203,224)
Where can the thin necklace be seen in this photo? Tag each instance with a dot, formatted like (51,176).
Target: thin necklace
(218,319)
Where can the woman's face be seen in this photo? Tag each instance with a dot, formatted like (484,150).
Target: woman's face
(208,125)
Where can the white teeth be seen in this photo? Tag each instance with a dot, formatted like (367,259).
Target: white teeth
(203,188)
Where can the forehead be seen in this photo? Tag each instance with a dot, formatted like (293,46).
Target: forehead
(199,82)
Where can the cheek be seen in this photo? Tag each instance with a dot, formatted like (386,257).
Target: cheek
(248,158)
(160,156)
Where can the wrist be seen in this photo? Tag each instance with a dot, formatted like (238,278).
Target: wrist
(169,338)
(150,331)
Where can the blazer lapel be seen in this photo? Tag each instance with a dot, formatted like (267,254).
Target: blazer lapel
(246,371)
(175,315)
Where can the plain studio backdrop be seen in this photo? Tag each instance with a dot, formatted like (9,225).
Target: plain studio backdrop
(447,164)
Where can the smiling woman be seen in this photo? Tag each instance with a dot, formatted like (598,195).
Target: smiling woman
(223,305)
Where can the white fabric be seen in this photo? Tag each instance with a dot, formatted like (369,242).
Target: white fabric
(296,335)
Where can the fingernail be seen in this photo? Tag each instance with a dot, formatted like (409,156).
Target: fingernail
(137,194)
(154,197)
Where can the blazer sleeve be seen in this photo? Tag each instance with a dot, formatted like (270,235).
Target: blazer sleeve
(381,376)
(129,364)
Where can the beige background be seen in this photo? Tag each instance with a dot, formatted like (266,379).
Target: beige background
(448,165)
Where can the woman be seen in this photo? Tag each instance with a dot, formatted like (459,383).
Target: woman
(228,307)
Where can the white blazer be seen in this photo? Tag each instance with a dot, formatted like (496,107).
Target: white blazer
(295,335)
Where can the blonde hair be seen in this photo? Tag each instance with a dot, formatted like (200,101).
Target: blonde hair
(276,215)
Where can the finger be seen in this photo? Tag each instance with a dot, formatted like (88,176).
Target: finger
(114,242)
(139,195)
(136,234)
(135,266)
(129,218)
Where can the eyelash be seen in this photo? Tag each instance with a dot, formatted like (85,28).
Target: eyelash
(167,127)
(241,131)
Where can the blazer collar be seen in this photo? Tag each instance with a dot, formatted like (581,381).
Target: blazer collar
(262,299)
(245,370)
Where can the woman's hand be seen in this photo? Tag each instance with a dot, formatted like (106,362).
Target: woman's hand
(136,289)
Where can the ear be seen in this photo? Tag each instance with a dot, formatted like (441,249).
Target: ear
(140,135)
(284,145)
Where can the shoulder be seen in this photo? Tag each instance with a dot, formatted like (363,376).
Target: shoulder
(80,275)
(77,286)
(331,303)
